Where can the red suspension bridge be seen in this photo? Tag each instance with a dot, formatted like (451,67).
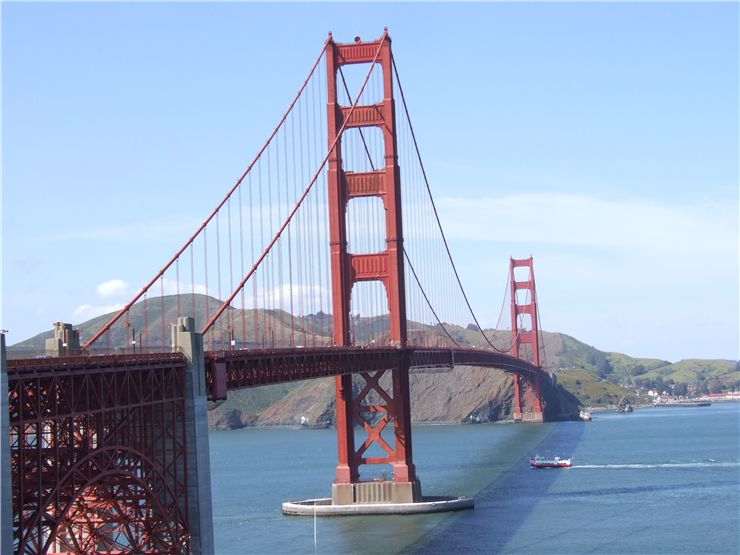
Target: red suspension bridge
(326,258)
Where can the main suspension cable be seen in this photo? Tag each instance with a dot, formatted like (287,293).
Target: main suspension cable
(434,208)
(202,227)
(287,221)
(429,304)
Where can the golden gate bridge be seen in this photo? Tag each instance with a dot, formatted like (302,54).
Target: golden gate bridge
(325,258)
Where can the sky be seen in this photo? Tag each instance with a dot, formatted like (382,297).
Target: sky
(601,138)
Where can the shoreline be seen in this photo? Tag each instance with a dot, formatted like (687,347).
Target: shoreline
(686,403)
(430,423)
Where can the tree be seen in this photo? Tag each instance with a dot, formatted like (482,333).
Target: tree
(715,386)
(602,365)
(659,385)
(638,370)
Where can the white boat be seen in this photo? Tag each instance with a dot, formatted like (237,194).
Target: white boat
(550,462)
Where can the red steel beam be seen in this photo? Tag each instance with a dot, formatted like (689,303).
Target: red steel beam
(365,184)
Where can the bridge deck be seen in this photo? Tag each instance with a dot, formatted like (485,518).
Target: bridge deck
(240,369)
(245,368)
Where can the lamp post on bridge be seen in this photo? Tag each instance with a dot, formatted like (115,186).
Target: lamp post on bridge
(133,335)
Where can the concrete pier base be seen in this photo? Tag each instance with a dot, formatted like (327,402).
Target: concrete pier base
(533,417)
(324,507)
(386,491)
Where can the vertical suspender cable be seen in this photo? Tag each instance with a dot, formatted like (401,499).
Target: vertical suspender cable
(278,188)
(218,276)
(205,267)
(162,317)
(241,266)
(202,227)
(290,237)
(277,235)
(263,268)
(436,215)
(255,336)
(192,281)
(177,287)
(231,330)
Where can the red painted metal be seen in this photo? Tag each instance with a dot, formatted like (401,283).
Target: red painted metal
(333,144)
(98,444)
(525,342)
(257,367)
(99,454)
(386,266)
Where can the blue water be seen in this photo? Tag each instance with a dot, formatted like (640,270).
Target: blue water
(657,481)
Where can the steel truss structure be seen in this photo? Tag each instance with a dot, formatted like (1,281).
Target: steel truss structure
(99,454)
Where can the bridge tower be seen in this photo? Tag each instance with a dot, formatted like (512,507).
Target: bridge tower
(525,342)
(387,267)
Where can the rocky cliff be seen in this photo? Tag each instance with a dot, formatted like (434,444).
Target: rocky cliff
(464,394)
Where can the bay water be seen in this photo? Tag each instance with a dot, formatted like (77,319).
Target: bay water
(656,481)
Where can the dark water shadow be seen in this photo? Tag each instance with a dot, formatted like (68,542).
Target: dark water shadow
(642,489)
(503,506)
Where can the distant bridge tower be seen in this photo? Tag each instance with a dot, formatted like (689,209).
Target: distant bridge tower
(525,342)
(386,267)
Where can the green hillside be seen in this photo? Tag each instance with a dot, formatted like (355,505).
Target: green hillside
(593,376)
(710,376)
(593,391)
(624,367)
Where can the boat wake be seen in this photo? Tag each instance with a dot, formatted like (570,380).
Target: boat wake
(662,465)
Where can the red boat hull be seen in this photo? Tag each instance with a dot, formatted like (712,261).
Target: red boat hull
(550,464)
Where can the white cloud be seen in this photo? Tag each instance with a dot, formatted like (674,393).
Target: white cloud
(609,272)
(112,288)
(117,288)
(85,311)
(310,298)
(580,220)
